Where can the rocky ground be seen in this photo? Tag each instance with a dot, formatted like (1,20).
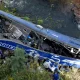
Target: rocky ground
(54,16)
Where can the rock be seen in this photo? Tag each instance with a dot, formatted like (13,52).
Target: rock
(79,26)
(8,3)
(18,4)
(76,13)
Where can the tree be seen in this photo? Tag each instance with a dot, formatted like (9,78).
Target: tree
(18,60)
(15,69)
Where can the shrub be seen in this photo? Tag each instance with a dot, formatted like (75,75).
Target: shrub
(26,18)
(74,74)
(14,10)
(16,69)
(40,21)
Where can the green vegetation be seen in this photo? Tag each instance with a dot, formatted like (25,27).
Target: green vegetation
(40,21)
(2,7)
(26,18)
(74,74)
(15,68)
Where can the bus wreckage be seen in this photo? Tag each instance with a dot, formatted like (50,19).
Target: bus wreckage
(38,41)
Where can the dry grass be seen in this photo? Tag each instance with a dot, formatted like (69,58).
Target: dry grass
(74,74)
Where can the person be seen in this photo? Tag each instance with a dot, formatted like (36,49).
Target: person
(65,68)
(56,75)
(46,64)
(0,53)
(54,66)
(2,56)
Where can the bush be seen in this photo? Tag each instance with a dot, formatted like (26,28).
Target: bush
(40,21)
(14,10)
(16,69)
(74,74)
(26,18)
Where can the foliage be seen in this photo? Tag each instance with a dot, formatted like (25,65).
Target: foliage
(23,75)
(18,61)
(74,74)
(26,18)
(15,69)
(6,9)
(14,10)
(40,21)
(2,7)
